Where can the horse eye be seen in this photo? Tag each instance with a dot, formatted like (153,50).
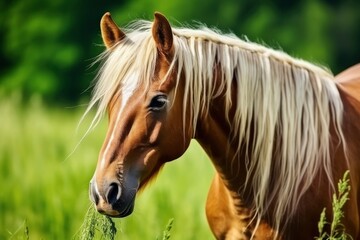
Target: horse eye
(158,102)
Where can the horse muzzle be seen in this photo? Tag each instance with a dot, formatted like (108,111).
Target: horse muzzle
(112,199)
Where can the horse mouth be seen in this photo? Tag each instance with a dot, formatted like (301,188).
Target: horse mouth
(122,210)
(119,209)
(126,212)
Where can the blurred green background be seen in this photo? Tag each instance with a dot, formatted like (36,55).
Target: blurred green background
(46,49)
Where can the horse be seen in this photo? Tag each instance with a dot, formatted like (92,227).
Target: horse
(279,130)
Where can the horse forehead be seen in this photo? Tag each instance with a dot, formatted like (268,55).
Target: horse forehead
(122,97)
(129,85)
(127,90)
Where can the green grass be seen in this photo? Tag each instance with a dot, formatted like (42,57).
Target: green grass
(44,184)
(94,224)
(337,230)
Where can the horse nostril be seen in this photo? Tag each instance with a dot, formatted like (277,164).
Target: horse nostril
(94,197)
(113,193)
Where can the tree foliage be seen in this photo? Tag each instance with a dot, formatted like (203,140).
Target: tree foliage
(46,47)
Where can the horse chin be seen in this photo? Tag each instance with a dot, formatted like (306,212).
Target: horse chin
(119,210)
(124,207)
(126,212)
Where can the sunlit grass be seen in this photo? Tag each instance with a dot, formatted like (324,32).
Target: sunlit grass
(337,230)
(96,225)
(44,182)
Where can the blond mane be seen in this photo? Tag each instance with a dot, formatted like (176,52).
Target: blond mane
(284,98)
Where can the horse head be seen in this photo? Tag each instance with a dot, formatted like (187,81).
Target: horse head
(146,121)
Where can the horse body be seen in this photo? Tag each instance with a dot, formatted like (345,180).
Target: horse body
(230,217)
(279,131)
(348,83)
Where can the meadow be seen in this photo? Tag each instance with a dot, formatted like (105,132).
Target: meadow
(45,171)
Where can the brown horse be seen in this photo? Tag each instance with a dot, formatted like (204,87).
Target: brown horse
(280,131)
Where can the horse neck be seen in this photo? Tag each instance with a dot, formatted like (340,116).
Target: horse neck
(213,132)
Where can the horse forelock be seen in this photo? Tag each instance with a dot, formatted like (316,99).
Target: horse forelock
(133,56)
(283,97)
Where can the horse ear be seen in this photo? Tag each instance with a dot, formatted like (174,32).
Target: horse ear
(162,34)
(110,32)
